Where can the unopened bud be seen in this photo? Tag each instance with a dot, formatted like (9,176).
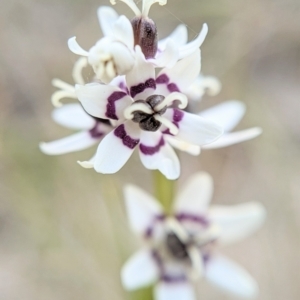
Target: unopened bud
(145,35)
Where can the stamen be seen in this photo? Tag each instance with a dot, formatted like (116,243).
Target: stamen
(197,263)
(131,4)
(62,85)
(100,70)
(171,98)
(57,96)
(128,112)
(172,128)
(148,3)
(174,226)
(105,57)
(77,70)
(209,235)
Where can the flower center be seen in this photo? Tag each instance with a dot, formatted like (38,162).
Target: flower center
(146,117)
(176,247)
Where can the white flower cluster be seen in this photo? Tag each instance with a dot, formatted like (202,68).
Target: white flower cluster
(141,98)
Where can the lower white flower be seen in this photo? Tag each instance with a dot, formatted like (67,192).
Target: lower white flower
(180,248)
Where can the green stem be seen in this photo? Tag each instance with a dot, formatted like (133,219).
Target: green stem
(164,191)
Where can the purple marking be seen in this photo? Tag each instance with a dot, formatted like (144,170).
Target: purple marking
(149,231)
(173,279)
(111,107)
(162,79)
(206,258)
(137,89)
(177,117)
(123,87)
(172,87)
(95,132)
(193,218)
(151,150)
(121,133)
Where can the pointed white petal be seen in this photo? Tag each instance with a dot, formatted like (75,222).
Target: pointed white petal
(123,57)
(227,114)
(103,101)
(195,196)
(141,79)
(168,57)
(234,138)
(182,146)
(156,154)
(174,291)
(189,48)
(139,271)
(203,85)
(75,48)
(229,276)
(107,16)
(116,148)
(192,128)
(179,77)
(179,36)
(142,209)
(73,116)
(123,32)
(237,222)
(87,164)
(76,142)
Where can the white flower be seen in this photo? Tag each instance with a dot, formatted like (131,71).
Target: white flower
(74,117)
(181,248)
(113,55)
(227,115)
(145,108)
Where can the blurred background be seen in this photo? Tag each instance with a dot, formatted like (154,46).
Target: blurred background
(63,232)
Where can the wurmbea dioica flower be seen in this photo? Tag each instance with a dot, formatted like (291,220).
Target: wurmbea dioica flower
(73,116)
(113,55)
(181,248)
(146,108)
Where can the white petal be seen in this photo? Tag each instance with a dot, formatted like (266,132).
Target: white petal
(73,116)
(75,48)
(227,114)
(123,57)
(178,78)
(142,209)
(192,128)
(141,79)
(116,148)
(183,146)
(168,57)
(234,138)
(139,271)
(76,142)
(195,196)
(107,16)
(174,291)
(179,36)
(189,48)
(156,154)
(237,222)
(229,276)
(103,101)
(87,164)
(123,32)
(203,85)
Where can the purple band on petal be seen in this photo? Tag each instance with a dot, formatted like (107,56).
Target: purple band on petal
(111,107)
(162,79)
(121,133)
(172,87)
(149,231)
(193,218)
(151,150)
(96,132)
(177,117)
(137,89)
(173,279)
